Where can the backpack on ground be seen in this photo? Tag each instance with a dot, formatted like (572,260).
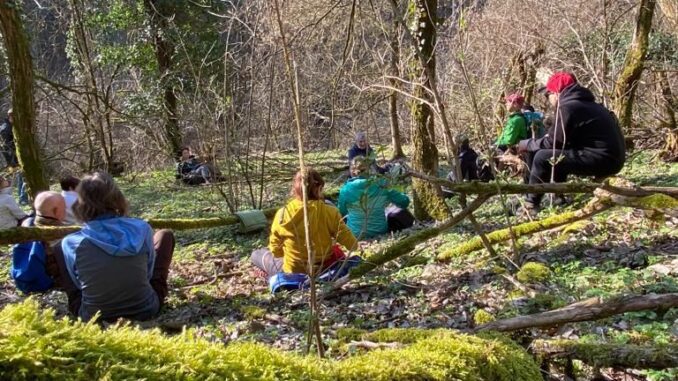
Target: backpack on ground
(29,267)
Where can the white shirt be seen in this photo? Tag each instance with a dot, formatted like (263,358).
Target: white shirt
(10,212)
(70,197)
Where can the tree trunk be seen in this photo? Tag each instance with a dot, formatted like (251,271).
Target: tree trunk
(164,49)
(393,95)
(668,117)
(610,355)
(627,82)
(427,201)
(21,77)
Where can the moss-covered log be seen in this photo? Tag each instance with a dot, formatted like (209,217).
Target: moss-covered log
(476,187)
(35,345)
(408,244)
(586,310)
(610,355)
(527,228)
(49,233)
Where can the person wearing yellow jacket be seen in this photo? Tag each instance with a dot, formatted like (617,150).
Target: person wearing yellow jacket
(287,251)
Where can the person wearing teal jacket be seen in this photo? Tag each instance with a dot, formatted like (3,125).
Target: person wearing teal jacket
(363,201)
(515,129)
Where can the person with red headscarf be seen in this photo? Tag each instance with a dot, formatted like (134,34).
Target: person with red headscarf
(584,138)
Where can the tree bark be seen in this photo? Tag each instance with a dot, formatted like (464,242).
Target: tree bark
(394,44)
(427,200)
(668,117)
(21,77)
(586,310)
(164,50)
(627,82)
(610,355)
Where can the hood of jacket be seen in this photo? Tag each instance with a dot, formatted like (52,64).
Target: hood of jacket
(292,217)
(576,93)
(119,236)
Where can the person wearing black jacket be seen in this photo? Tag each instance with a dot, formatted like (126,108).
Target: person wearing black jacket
(584,139)
(7,141)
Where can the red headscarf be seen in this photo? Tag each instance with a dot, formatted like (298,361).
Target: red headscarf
(559,81)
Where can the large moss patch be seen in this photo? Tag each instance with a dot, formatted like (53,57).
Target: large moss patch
(35,345)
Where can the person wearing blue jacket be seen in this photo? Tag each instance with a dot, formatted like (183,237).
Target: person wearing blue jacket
(115,266)
(363,200)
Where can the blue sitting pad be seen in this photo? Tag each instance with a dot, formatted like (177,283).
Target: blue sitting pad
(298,281)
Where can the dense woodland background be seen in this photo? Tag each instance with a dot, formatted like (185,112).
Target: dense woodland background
(131,81)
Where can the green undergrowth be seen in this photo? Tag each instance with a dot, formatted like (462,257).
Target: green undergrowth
(35,345)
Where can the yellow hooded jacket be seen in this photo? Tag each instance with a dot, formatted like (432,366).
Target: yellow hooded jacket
(288,239)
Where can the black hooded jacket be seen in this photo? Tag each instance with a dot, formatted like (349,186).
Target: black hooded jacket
(583,125)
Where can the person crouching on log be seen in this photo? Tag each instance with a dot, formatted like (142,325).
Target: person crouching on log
(287,251)
(585,139)
(116,265)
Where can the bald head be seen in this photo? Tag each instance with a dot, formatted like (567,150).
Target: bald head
(50,205)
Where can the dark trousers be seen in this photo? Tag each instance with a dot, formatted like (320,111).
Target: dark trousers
(265,261)
(163,241)
(567,162)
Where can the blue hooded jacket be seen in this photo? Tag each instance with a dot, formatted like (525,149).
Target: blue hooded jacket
(111,261)
(364,201)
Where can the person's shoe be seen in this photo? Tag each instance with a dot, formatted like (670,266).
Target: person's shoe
(520,207)
(561,200)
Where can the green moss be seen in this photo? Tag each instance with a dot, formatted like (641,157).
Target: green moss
(504,234)
(253,312)
(657,201)
(482,317)
(35,345)
(346,334)
(533,272)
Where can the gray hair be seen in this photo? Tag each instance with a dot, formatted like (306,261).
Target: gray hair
(360,136)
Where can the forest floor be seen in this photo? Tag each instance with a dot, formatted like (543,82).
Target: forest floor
(214,290)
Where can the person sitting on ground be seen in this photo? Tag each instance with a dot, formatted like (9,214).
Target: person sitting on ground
(68,185)
(362,148)
(11,213)
(516,125)
(287,250)
(535,122)
(115,265)
(34,267)
(7,140)
(187,166)
(585,138)
(363,200)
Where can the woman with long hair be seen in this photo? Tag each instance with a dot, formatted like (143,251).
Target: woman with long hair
(115,265)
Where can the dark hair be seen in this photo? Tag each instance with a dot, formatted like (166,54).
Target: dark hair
(98,195)
(69,183)
(528,108)
(314,185)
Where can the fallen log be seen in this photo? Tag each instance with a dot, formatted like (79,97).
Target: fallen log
(50,233)
(408,244)
(492,188)
(476,243)
(586,310)
(609,355)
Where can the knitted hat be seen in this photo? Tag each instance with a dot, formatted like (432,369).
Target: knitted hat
(515,98)
(559,81)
